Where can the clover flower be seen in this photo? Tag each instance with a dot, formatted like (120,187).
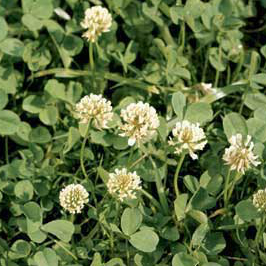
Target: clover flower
(141,122)
(259,200)
(239,155)
(96,108)
(97,20)
(188,137)
(123,184)
(73,197)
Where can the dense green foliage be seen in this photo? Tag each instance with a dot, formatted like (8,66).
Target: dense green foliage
(159,52)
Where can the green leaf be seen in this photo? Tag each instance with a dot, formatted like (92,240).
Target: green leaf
(40,135)
(24,190)
(183,259)
(214,243)
(180,204)
(33,213)
(4,28)
(49,115)
(131,220)
(179,104)
(199,234)
(170,233)
(33,104)
(145,240)
(72,45)
(215,60)
(12,46)
(246,210)
(257,129)
(259,78)
(97,260)
(212,264)
(42,9)
(255,100)
(20,249)
(199,113)
(201,200)
(8,80)
(115,262)
(61,229)
(73,138)
(191,183)
(234,123)
(47,257)
(9,122)
(31,22)
(55,89)
(3,99)
(103,174)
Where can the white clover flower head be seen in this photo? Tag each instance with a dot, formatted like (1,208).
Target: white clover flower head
(239,155)
(123,184)
(141,122)
(73,197)
(188,137)
(97,20)
(96,108)
(259,200)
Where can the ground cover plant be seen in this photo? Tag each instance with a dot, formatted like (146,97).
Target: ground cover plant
(132,133)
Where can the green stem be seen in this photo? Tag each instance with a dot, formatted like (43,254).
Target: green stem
(183,36)
(82,152)
(160,188)
(128,255)
(242,103)
(64,248)
(226,188)
(130,156)
(217,76)
(239,66)
(91,56)
(177,173)
(259,232)
(6,150)
(151,198)
(236,178)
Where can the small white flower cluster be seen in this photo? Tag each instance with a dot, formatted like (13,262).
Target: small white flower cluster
(259,200)
(97,20)
(239,155)
(188,137)
(73,197)
(141,122)
(96,108)
(124,184)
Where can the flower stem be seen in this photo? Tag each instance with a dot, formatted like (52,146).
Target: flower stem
(236,178)
(226,188)
(91,56)
(177,173)
(82,152)
(160,188)
(130,157)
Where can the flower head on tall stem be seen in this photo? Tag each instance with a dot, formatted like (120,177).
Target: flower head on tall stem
(140,123)
(94,108)
(239,156)
(188,137)
(97,20)
(73,198)
(123,184)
